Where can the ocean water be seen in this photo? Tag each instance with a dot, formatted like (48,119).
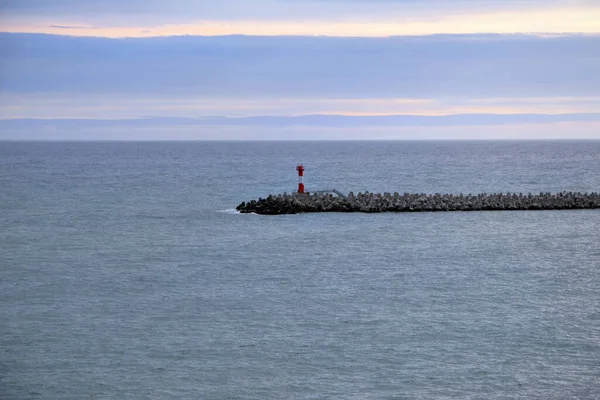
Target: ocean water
(126,274)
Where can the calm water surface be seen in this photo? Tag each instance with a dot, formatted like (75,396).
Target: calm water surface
(124,274)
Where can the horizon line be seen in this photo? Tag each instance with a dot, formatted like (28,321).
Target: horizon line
(576,139)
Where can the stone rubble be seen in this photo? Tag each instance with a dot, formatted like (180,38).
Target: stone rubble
(418,202)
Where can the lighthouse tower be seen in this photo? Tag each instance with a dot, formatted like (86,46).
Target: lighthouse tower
(300,169)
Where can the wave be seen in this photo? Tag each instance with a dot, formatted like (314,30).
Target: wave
(229,211)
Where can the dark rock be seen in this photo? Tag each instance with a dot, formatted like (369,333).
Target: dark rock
(370,202)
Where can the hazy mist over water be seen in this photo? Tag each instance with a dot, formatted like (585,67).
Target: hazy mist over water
(124,273)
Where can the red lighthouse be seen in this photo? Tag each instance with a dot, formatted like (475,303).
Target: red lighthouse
(300,169)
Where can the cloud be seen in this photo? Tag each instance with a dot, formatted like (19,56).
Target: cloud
(272,9)
(437,82)
(303,120)
(122,106)
(72,27)
(553,130)
(553,22)
(304,67)
(135,18)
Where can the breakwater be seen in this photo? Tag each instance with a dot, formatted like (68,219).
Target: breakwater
(333,201)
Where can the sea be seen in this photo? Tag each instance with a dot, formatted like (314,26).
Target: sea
(126,273)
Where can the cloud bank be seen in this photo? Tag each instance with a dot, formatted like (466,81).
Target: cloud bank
(238,66)
(393,69)
(133,18)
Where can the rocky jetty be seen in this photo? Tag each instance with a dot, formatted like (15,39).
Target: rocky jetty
(409,202)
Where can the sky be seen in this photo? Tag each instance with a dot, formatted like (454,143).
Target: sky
(289,69)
